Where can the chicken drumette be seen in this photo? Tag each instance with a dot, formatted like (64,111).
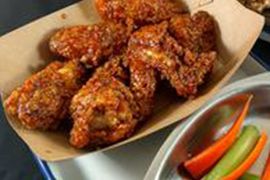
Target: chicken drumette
(90,44)
(104,110)
(42,102)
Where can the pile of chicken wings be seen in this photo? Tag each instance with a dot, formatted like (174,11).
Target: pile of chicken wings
(108,72)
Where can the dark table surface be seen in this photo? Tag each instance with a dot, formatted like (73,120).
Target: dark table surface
(16,160)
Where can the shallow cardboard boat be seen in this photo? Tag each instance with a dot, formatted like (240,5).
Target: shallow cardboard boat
(25,51)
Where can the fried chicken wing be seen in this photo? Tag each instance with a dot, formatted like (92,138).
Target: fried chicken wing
(196,33)
(89,43)
(184,69)
(43,100)
(142,12)
(103,112)
(142,74)
(155,49)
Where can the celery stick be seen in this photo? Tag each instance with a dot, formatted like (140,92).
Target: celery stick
(249,176)
(237,153)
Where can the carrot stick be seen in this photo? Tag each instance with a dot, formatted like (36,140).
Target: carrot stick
(266,172)
(199,164)
(236,155)
(252,157)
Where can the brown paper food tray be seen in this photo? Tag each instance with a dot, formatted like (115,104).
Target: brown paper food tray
(25,50)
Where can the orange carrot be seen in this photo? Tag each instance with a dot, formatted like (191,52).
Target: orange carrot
(252,157)
(199,164)
(266,172)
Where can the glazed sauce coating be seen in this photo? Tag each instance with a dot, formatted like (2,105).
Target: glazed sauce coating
(42,102)
(89,44)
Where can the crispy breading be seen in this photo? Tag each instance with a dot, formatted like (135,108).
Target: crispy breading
(143,85)
(115,67)
(43,100)
(142,12)
(196,33)
(89,44)
(179,61)
(103,112)
(142,75)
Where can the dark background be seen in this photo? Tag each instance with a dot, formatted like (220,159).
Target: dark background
(16,160)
